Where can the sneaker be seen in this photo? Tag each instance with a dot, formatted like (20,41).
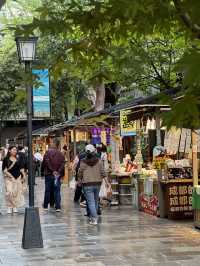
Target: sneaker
(9,211)
(83,204)
(45,209)
(93,221)
(15,210)
(58,210)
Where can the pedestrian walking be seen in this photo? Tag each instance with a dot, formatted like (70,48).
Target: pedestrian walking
(2,188)
(104,158)
(14,177)
(91,173)
(78,194)
(53,165)
(38,158)
(23,158)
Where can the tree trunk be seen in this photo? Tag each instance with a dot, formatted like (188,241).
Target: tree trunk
(2,2)
(100,97)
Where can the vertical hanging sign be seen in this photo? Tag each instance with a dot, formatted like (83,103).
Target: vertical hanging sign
(128,128)
(41,94)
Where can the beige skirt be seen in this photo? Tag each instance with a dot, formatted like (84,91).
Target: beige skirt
(14,192)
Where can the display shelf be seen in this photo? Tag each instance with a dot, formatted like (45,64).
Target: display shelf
(121,185)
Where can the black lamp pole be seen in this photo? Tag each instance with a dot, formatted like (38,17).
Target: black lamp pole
(32,234)
(29,135)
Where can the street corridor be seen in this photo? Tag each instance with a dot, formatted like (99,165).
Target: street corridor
(124,237)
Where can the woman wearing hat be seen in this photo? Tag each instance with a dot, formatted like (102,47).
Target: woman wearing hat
(91,173)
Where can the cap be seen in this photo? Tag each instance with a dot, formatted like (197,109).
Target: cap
(90,148)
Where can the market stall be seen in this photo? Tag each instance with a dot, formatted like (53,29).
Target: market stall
(147,180)
(136,124)
(163,183)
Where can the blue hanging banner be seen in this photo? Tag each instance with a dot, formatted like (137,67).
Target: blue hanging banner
(41,94)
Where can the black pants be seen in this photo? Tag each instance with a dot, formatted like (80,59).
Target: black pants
(51,188)
(52,199)
(78,195)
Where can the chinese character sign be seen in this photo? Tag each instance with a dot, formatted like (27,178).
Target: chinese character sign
(180,198)
(41,94)
(128,128)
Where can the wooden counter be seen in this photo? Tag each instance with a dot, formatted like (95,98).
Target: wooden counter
(178,180)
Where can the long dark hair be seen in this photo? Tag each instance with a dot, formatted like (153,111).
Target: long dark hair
(6,161)
(9,151)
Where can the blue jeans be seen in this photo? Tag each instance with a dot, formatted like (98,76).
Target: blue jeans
(92,198)
(50,187)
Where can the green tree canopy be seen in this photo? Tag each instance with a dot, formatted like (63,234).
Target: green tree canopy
(141,44)
(97,28)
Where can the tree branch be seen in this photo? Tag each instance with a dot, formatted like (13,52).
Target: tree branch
(187,19)
(159,77)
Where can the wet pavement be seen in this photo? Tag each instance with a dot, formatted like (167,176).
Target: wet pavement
(123,237)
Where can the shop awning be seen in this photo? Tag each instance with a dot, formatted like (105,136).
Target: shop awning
(140,104)
(137,111)
(40,132)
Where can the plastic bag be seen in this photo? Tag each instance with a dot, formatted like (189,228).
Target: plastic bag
(105,190)
(72,183)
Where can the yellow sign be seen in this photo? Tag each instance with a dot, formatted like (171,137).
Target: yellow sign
(128,128)
(103,137)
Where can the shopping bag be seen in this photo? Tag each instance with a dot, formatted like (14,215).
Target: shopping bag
(109,192)
(72,183)
(105,190)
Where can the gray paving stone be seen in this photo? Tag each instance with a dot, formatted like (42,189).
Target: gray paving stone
(124,237)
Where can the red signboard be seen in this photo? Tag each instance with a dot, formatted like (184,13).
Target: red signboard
(149,204)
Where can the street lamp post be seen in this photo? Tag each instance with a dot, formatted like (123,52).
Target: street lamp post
(32,234)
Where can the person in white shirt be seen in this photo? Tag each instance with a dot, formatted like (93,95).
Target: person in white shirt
(104,158)
(38,158)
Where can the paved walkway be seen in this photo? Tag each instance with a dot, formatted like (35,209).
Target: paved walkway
(124,237)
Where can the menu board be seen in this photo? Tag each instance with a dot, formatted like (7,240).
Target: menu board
(179,199)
